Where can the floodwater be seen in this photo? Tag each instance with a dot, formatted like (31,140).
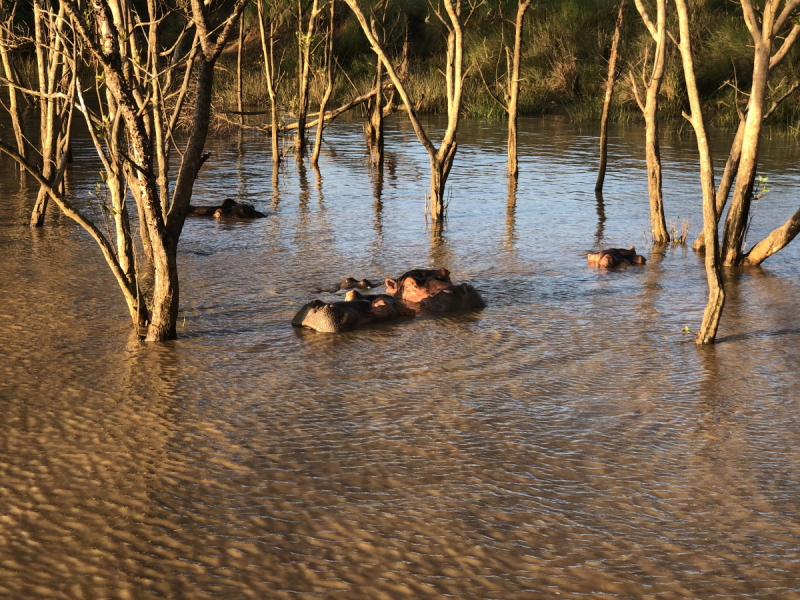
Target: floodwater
(569,441)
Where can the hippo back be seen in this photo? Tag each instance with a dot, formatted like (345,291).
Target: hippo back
(456,298)
(329,318)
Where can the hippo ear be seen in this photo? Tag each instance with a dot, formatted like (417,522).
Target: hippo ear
(444,274)
(633,248)
(391,284)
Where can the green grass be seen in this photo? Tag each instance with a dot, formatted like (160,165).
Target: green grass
(564,62)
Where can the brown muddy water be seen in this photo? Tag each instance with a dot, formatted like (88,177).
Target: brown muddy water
(565,442)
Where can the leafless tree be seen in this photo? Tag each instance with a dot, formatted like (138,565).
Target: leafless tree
(764,28)
(610,81)
(441,158)
(650,110)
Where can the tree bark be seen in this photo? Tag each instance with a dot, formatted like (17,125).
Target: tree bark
(304,67)
(739,212)
(612,78)
(270,76)
(652,152)
(239,56)
(49,42)
(13,105)
(726,183)
(716,290)
(441,159)
(513,89)
(328,89)
(375,125)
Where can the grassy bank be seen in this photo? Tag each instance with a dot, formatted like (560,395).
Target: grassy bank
(564,61)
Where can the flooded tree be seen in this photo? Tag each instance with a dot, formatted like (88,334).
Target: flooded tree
(764,28)
(716,290)
(511,106)
(132,79)
(55,95)
(306,28)
(328,77)
(441,158)
(269,19)
(610,82)
(649,109)
(8,41)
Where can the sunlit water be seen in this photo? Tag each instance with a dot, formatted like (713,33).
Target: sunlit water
(566,441)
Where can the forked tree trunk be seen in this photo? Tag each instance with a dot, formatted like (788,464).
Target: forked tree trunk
(49,43)
(739,212)
(650,111)
(441,159)
(163,233)
(440,170)
(513,89)
(716,290)
(612,78)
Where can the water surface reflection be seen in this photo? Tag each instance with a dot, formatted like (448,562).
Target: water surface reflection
(564,439)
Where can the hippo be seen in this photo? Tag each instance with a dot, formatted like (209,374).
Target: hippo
(228,209)
(356,310)
(433,291)
(612,257)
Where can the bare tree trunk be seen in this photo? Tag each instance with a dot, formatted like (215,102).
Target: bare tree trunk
(513,89)
(375,125)
(304,68)
(650,110)
(13,105)
(239,53)
(328,89)
(726,183)
(441,159)
(270,76)
(739,212)
(716,289)
(163,233)
(49,47)
(612,78)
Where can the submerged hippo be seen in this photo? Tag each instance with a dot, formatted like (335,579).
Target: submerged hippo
(350,283)
(612,257)
(356,310)
(228,209)
(433,291)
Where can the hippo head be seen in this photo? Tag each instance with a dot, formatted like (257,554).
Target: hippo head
(382,306)
(416,285)
(332,317)
(432,290)
(228,203)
